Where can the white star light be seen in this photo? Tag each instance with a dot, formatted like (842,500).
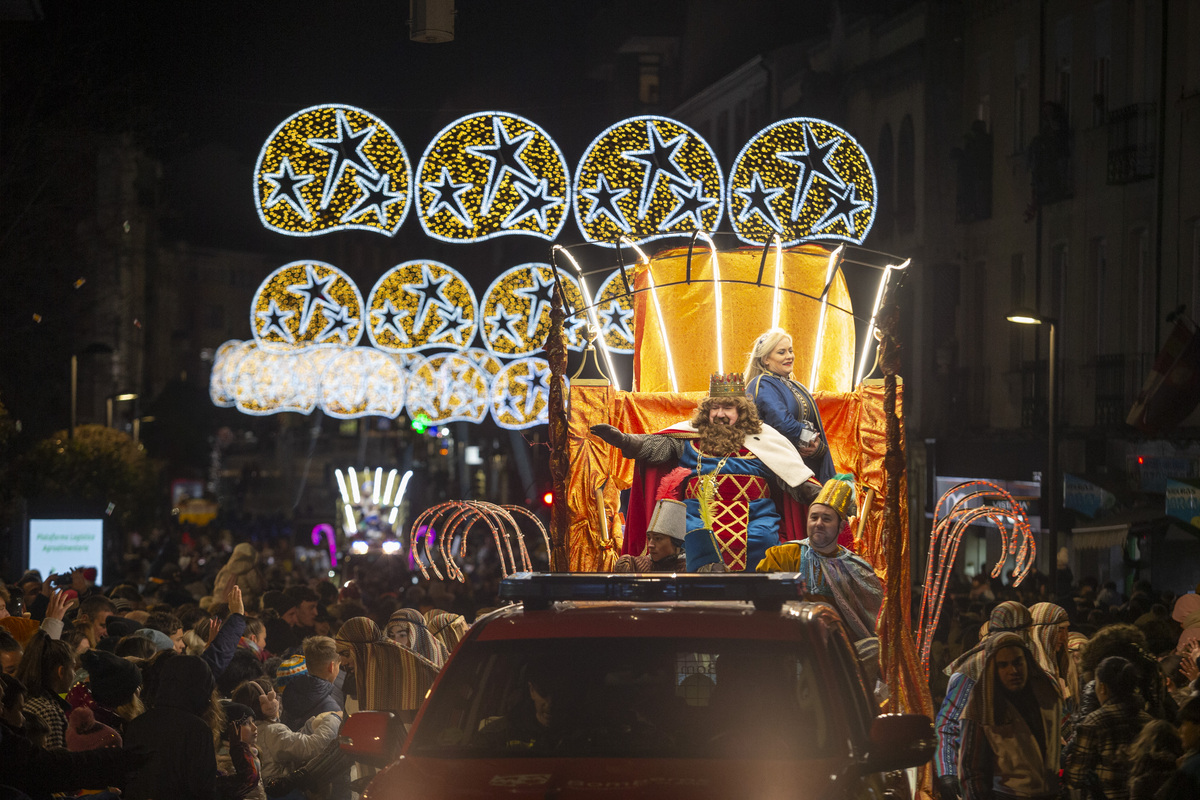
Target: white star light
(616,320)
(274,316)
(338,322)
(758,201)
(505,156)
(448,195)
(440,302)
(501,324)
(539,371)
(287,189)
(455,327)
(814,159)
(604,201)
(692,203)
(389,320)
(376,197)
(541,299)
(315,293)
(659,158)
(535,201)
(346,150)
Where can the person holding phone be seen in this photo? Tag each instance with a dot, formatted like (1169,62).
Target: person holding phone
(784,403)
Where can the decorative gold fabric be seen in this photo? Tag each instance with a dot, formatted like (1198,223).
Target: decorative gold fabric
(689,316)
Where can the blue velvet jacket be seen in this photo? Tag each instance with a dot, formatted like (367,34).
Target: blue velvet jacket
(778,407)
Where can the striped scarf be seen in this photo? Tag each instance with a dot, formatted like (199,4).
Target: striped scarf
(1008,617)
(446,627)
(419,639)
(1048,620)
(388,677)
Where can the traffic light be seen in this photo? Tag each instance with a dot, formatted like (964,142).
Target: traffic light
(548,498)
(420,422)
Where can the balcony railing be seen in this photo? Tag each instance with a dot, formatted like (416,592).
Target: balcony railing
(1132,138)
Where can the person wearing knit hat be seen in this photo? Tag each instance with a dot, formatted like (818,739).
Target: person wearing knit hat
(288,669)
(159,639)
(85,733)
(1011,734)
(111,689)
(829,569)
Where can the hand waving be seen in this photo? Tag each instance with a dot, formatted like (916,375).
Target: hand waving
(59,604)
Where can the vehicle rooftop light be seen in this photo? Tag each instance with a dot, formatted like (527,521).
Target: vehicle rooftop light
(537,590)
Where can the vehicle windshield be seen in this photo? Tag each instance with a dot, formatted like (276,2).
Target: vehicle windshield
(631,698)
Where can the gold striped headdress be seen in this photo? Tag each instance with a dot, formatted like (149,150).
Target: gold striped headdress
(838,494)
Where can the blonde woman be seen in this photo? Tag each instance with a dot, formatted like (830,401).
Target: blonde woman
(783,403)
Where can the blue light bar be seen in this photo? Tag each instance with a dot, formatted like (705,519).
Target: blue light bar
(768,591)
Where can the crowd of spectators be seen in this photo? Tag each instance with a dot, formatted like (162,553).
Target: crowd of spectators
(209,670)
(1088,692)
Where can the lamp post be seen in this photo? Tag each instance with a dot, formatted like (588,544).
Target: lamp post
(95,348)
(1024,317)
(120,398)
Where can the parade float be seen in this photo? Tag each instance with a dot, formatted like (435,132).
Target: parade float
(677,266)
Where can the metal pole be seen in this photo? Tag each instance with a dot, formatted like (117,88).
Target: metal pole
(108,411)
(74,393)
(1052,477)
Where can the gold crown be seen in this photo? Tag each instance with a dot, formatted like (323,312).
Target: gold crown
(838,494)
(728,385)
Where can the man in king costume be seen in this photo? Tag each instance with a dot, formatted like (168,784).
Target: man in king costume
(729,459)
(829,569)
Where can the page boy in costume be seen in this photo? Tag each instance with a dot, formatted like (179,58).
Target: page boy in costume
(828,568)
(664,541)
(732,458)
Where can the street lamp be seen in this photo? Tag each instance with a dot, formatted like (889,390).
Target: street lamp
(119,398)
(1026,317)
(93,349)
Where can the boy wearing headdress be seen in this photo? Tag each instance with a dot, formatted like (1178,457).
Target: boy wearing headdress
(664,541)
(829,569)
(731,458)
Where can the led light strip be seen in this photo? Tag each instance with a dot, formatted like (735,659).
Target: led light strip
(591,312)
(830,271)
(862,364)
(778,280)
(716,270)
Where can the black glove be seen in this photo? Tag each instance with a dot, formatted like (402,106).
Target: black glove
(948,787)
(609,434)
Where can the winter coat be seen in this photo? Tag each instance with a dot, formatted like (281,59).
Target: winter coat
(305,697)
(242,569)
(183,763)
(283,750)
(39,772)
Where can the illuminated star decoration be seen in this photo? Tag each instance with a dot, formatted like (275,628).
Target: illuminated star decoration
(287,189)
(315,293)
(389,320)
(505,157)
(346,149)
(429,285)
(814,157)
(845,206)
(691,203)
(338,323)
(758,201)
(541,299)
(535,200)
(501,324)
(448,195)
(616,320)
(659,159)
(604,201)
(275,317)
(455,326)
(376,197)
(539,370)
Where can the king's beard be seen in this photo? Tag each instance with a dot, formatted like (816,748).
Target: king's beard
(720,440)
